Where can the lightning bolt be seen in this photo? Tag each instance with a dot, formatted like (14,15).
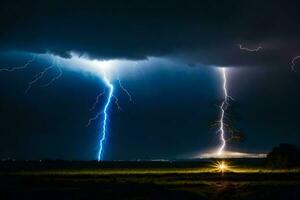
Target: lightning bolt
(105,113)
(55,65)
(38,76)
(248,49)
(97,100)
(224,105)
(117,103)
(125,90)
(41,74)
(20,67)
(293,62)
(55,78)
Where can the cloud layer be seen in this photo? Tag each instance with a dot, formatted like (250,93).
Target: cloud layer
(202,32)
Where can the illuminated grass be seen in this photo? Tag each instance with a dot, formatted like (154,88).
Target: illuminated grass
(208,170)
(203,182)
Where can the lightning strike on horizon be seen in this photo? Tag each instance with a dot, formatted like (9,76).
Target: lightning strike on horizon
(293,63)
(248,49)
(223,108)
(104,125)
(105,113)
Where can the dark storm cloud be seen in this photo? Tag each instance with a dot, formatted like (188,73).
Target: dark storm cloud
(197,32)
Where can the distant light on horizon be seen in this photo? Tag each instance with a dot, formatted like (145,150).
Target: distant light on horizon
(231,154)
(221,166)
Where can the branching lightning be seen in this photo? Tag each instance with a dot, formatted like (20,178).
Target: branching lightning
(19,67)
(105,111)
(248,49)
(97,100)
(55,65)
(117,103)
(293,63)
(55,78)
(125,90)
(223,108)
(38,76)
(41,74)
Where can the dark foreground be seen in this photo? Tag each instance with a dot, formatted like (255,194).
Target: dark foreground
(145,181)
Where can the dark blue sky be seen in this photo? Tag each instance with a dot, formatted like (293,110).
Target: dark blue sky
(176,96)
(175,105)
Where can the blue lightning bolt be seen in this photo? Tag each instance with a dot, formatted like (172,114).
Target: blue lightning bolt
(105,113)
(223,108)
(110,88)
(105,118)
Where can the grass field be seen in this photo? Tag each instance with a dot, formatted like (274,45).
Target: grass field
(197,180)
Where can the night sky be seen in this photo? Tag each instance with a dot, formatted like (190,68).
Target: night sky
(170,53)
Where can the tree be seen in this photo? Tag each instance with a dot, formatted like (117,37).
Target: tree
(284,156)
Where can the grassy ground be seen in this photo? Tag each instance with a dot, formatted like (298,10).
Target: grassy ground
(133,171)
(240,182)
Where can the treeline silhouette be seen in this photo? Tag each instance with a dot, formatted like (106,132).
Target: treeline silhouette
(284,156)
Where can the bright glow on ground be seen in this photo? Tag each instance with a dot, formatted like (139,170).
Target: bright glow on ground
(232,154)
(221,166)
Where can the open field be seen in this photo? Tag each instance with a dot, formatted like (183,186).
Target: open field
(145,180)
